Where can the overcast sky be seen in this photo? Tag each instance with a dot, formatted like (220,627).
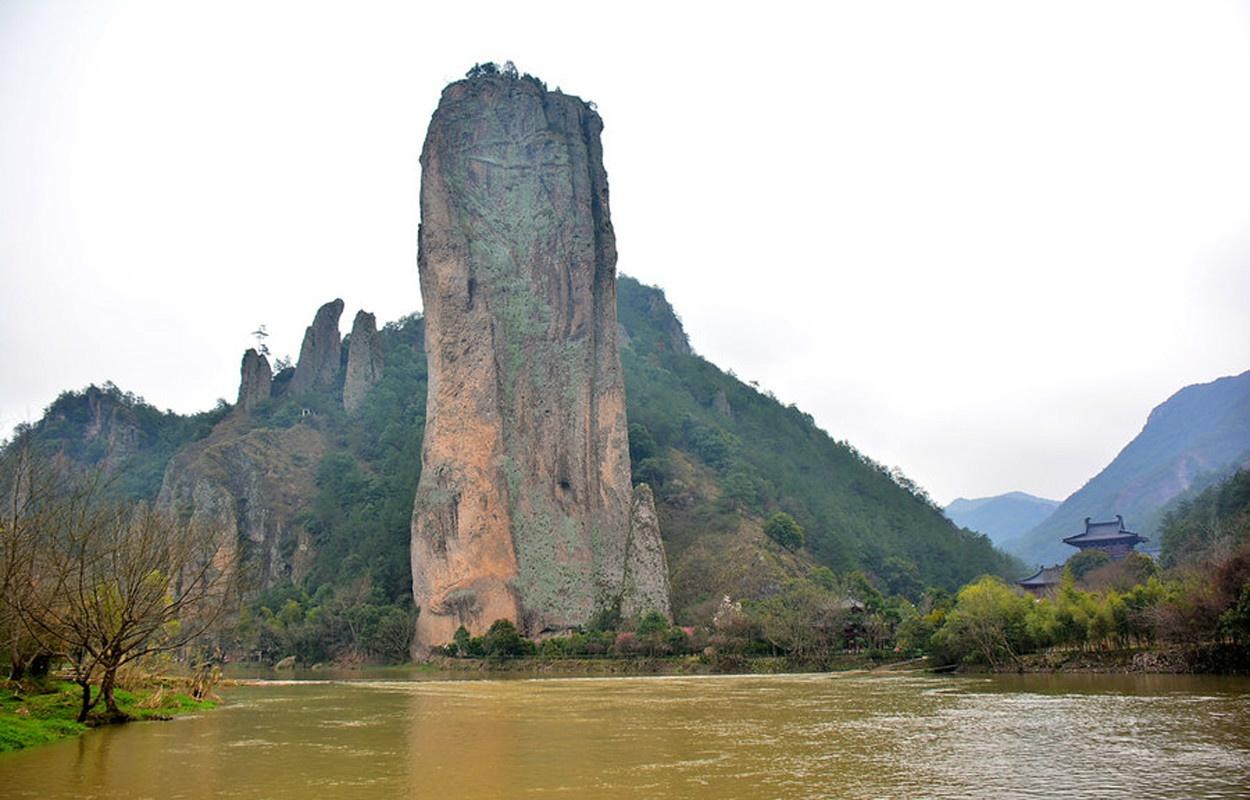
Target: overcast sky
(980,241)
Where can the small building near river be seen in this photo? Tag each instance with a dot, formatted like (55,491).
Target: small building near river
(1042,582)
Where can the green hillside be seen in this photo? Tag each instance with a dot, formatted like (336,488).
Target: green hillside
(1208,526)
(765,456)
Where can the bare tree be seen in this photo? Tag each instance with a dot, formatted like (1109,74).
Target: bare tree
(25,480)
(106,584)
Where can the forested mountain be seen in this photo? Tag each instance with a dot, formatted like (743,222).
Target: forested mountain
(1196,438)
(1210,525)
(121,432)
(722,455)
(1003,517)
(324,497)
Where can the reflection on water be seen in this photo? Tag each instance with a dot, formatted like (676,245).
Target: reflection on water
(742,737)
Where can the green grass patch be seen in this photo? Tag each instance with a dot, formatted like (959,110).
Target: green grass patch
(34,716)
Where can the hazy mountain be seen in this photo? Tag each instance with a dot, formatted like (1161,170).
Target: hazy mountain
(1003,517)
(1196,438)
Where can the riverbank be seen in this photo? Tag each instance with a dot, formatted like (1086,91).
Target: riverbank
(1204,660)
(669,665)
(720,664)
(31,715)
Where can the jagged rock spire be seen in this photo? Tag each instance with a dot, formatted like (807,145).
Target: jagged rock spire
(364,361)
(319,355)
(255,382)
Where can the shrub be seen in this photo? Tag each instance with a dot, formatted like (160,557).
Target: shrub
(503,640)
(1085,562)
(626,644)
(784,530)
(652,622)
(987,624)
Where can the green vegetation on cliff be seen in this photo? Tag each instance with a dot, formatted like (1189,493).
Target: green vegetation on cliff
(355,599)
(104,426)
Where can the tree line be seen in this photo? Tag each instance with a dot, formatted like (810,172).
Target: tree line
(1118,605)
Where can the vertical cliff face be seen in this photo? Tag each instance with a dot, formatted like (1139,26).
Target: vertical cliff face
(250,488)
(364,361)
(523,506)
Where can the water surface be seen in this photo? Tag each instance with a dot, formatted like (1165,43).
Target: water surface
(796,736)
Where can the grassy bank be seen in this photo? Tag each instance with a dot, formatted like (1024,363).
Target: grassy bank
(31,716)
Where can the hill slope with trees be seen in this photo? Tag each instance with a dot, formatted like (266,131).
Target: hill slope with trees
(1210,525)
(723,458)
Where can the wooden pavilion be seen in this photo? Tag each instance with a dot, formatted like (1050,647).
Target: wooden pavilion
(1110,537)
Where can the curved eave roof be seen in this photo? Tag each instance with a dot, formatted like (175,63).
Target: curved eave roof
(1127,537)
(1047,576)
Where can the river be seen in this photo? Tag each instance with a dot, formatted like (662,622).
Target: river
(793,736)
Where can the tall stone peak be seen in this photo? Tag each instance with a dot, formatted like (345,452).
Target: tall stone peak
(364,361)
(255,380)
(319,355)
(523,507)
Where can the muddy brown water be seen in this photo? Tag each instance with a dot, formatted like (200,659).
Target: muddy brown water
(791,736)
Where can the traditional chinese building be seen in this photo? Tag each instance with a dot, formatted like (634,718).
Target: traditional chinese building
(1110,537)
(1043,581)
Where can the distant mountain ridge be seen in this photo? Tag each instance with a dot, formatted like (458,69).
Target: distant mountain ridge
(1194,439)
(1002,517)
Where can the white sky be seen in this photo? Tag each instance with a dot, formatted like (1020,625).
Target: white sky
(979,240)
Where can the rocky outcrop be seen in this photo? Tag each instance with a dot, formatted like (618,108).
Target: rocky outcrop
(523,506)
(250,487)
(646,569)
(110,419)
(364,361)
(256,380)
(321,352)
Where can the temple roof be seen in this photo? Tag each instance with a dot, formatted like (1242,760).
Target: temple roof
(1104,533)
(1045,576)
